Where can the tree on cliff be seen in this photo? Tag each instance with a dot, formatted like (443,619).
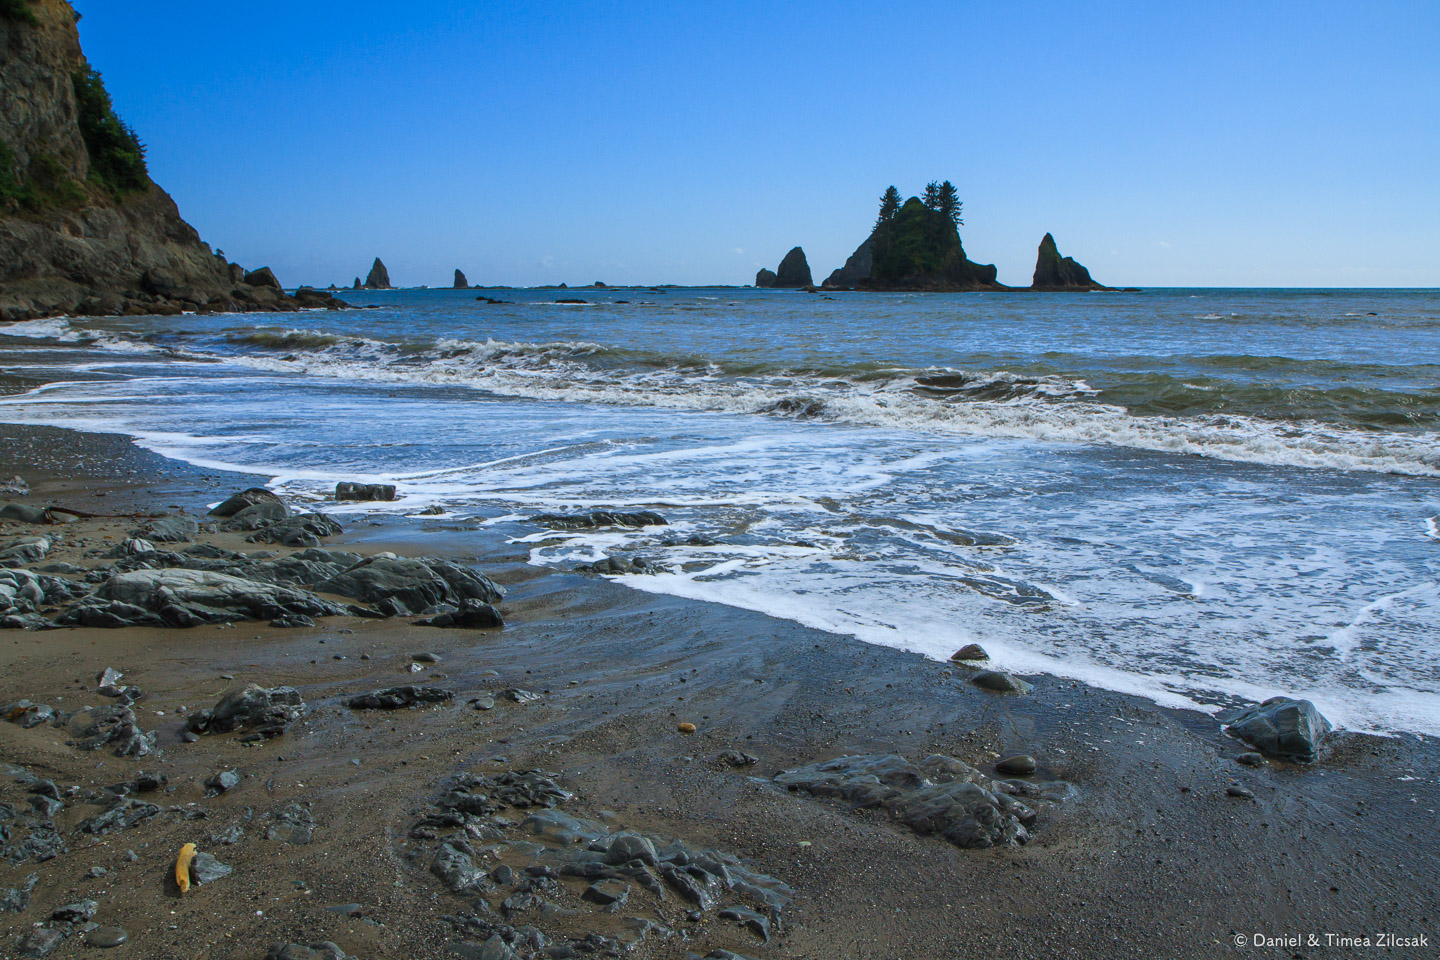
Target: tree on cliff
(117,157)
(932,195)
(889,206)
(948,202)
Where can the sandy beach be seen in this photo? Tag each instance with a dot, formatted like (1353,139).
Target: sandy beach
(1146,854)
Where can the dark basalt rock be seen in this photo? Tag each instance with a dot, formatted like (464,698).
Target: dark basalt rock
(794,271)
(1284,728)
(944,796)
(396,698)
(600,518)
(305,530)
(471,615)
(1000,681)
(293,823)
(186,598)
(176,529)
(243,500)
(345,490)
(115,728)
(1056,273)
(378,278)
(122,814)
(765,277)
(253,708)
(616,566)
(460,282)
(406,585)
(264,277)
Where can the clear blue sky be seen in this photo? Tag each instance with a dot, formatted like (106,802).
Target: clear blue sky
(1224,144)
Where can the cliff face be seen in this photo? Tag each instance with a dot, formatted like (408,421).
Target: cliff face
(919,249)
(73,237)
(1056,273)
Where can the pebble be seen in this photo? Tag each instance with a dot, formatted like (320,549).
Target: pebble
(1251,759)
(686,728)
(425,657)
(971,651)
(1240,793)
(1000,682)
(106,937)
(1019,765)
(95,873)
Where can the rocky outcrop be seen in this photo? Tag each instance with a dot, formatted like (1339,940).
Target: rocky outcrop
(83,230)
(919,249)
(460,282)
(794,271)
(378,278)
(765,277)
(1056,273)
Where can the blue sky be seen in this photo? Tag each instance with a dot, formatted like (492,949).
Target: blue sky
(1216,144)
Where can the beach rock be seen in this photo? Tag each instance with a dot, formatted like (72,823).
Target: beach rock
(26,715)
(971,651)
(607,893)
(1000,681)
(1056,273)
(104,938)
(42,940)
(24,513)
(737,758)
(460,282)
(395,698)
(471,615)
(615,566)
(256,517)
(452,866)
(625,847)
(14,487)
(206,869)
(1020,765)
(122,814)
(113,727)
(173,529)
(378,278)
(1251,760)
(24,550)
(75,912)
(757,923)
(185,598)
(292,824)
(600,518)
(918,249)
(405,585)
(305,530)
(946,797)
(221,782)
(17,899)
(765,277)
(264,277)
(252,708)
(243,500)
(1284,728)
(1239,793)
(346,490)
(794,271)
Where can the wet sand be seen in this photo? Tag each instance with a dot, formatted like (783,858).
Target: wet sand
(1149,857)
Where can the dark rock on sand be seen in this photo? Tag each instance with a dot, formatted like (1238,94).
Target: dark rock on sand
(25,550)
(378,278)
(1000,681)
(395,698)
(221,782)
(1284,728)
(253,708)
(407,585)
(17,899)
(292,621)
(122,814)
(1239,793)
(42,940)
(115,728)
(971,651)
(600,518)
(737,758)
(607,893)
(471,615)
(292,824)
(452,865)
(75,912)
(243,500)
(757,923)
(1056,273)
(323,950)
(305,530)
(174,529)
(1251,760)
(185,598)
(1020,765)
(105,938)
(945,797)
(345,490)
(206,869)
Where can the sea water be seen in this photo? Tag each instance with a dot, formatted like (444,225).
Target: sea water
(1198,496)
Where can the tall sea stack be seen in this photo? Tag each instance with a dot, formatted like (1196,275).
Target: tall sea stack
(83,228)
(1056,273)
(918,249)
(460,282)
(794,272)
(378,278)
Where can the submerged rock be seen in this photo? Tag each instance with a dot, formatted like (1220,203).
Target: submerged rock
(346,490)
(1284,728)
(600,518)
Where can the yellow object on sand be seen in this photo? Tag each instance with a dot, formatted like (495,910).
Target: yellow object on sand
(687,728)
(182,866)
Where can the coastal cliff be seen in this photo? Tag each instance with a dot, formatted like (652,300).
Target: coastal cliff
(918,248)
(1056,273)
(83,229)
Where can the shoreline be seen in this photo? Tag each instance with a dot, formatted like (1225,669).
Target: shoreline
(1112,871)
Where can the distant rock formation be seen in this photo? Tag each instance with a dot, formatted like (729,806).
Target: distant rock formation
(460,282)
(919,249)
(357,284)
(83,229)
(765,278)
(379,277)
(1056,273)
(794,271)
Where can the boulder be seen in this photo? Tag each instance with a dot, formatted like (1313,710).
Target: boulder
(460,282)
(345,490)
(305,530)
(264,277)
(471,615)
(406,585)
(379,277)
(600,518)
(172,529)
(243,500)
(24,550)
(184,598)
(1056,273)
(1284,728)
(794,270)
(253,708)
(765,277)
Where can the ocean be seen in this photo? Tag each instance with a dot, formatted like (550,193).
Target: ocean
(1201,497)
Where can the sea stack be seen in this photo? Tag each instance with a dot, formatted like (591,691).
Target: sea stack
(917,249)
(1056,273)
(379,277)
(794,271)
(765,278)
(460,282)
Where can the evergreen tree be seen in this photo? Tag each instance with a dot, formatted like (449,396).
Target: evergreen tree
(889,206)
(948,202)
(932,195)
